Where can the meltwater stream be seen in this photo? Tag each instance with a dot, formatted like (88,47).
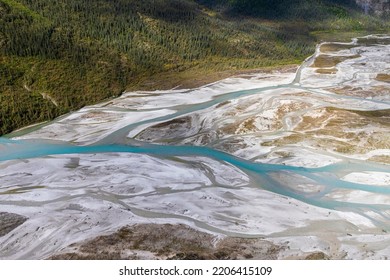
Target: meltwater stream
(323,176)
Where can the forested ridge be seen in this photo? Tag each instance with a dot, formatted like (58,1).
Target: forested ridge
(57,56)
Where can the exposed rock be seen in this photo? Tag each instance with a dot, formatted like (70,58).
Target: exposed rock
(378,7)
(317,256)
(10,221)
(175,242)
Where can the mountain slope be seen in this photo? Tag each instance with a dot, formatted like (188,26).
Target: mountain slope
(379,7)
(57,56)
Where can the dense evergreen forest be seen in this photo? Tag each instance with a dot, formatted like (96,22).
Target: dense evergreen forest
(57,56)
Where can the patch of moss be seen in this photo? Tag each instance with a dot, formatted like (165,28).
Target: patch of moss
(173,242)
(383,78)
(327,71)
(317,256)
(373,113)
(335,47)
(21,190)
(327,61)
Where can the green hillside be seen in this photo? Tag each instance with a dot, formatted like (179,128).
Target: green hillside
(57,56)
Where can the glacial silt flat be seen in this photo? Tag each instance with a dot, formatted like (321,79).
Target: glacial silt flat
(298,159)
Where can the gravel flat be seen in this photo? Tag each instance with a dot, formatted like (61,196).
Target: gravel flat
(10,221)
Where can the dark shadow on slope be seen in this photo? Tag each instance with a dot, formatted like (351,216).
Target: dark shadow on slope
(284,9)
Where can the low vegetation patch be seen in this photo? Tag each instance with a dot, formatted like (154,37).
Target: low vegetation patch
(166,241)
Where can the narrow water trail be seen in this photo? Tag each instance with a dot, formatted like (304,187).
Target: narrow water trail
(320,175)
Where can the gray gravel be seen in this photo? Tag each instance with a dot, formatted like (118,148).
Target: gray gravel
(10,221)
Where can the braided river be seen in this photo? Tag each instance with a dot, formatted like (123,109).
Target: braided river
(297,156)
